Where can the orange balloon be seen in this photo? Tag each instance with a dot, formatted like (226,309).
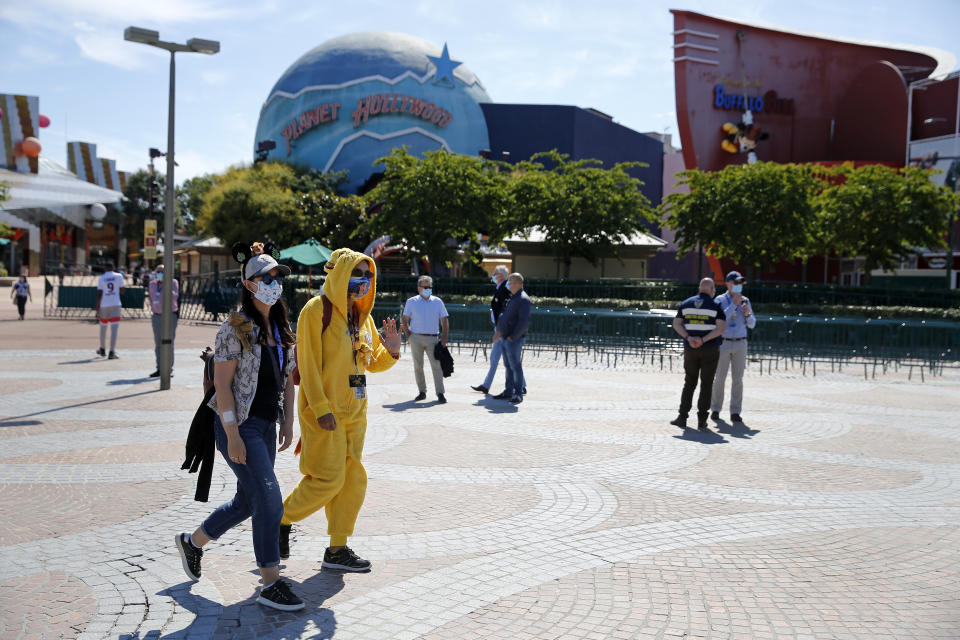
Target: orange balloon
(31,147)
(44,121)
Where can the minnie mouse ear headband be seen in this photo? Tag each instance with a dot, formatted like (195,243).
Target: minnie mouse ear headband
(258,258)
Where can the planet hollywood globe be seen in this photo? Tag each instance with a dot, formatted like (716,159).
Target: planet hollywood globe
(354,98)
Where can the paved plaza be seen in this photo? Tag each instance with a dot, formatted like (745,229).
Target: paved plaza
(833,513)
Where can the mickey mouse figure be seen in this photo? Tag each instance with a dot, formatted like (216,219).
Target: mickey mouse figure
(743,137)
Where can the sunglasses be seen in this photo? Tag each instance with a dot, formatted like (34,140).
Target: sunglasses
(357,273)
(268,279)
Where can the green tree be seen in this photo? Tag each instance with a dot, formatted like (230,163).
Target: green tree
(136,206)
(309,180)
(190,194)
(883,214)
(5,229)
(249,203)
(439,204)
(334,221)
(582,209)
(757,214)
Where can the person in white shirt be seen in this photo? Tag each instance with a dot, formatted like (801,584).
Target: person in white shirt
(109,287)
(425,322)
(155,291)
(19,294)
(733,351)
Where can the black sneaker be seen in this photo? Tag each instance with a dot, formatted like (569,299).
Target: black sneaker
(441,399)
(715,416)
(679,421)
(345,560)
(279,596)
(155,374)
(113,356)
(516,399)
(480,388)
(285,540)
(420,396)
(503,396)
(102,353)
(190,557)
(702,426)
(735,417)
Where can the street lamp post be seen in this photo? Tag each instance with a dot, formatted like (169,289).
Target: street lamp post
(193,45)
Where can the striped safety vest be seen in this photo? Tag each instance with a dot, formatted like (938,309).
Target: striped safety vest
(700,314)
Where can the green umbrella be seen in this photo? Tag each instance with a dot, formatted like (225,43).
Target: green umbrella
(308,254)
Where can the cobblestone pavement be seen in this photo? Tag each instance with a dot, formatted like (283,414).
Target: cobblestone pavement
(581,513)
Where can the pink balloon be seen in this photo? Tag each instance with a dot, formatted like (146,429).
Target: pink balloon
(44,121)
(31,147)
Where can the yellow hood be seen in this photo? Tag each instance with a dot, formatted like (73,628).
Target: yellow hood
(339,267)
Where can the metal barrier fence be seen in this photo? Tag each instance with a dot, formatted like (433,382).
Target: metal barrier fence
(578,333)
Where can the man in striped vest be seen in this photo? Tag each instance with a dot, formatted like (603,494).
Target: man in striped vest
(700,321)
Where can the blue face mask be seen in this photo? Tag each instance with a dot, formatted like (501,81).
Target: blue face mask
(737,288)
(358,287)
(159,276)
(426,293)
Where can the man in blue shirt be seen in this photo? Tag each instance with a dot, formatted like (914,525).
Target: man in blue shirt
(501,295)
(733,351)
(423,316)
(700,322)
(512,333)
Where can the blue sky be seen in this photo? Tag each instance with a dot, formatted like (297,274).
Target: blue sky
(610,55)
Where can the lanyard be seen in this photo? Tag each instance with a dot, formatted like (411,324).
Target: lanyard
(276,338)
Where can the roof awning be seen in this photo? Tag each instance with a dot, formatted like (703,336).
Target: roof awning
(53,186)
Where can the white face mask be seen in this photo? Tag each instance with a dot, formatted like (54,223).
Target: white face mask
(426,292)
(737,288)
(268,294)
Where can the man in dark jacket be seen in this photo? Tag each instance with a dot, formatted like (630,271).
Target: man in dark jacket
(512,333)
(501,295)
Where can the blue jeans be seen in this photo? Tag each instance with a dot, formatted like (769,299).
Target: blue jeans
(513,361)
(258,493)
(495,351)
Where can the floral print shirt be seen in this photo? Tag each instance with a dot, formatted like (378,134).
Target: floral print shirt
(237,339)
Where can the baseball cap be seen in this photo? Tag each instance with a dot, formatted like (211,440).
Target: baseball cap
(261,265)
(736,277)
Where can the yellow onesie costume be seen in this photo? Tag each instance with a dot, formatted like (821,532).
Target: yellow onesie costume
(333,476)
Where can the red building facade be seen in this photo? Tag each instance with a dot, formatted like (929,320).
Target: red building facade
(817,99)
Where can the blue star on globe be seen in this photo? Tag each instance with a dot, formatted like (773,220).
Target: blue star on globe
(445,66)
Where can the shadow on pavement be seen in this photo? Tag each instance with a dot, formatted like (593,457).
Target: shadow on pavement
(87,361)
(247,618)
(80,404)
(497,406)
(736,429)
(132,381)
(703,437)
(19,423)
(411,404)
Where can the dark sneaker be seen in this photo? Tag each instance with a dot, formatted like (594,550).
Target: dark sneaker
(285,540)
(420,396)
(702,426)
(679,421)
(516,399)
(503,396)
(113,356)
(279,596)
(480,388)
(190,557)
(102,353)
(155,374)
(345,560)
(735,417)
(441,399)
(715,416)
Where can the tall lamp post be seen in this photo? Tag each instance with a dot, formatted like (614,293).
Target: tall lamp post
(193,45)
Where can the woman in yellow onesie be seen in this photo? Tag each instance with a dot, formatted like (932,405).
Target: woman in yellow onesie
(337,343)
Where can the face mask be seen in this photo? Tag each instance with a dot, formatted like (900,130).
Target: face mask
(426,293)
(268,294)
(493,279)
(159,276)
(737,288)
(358,287)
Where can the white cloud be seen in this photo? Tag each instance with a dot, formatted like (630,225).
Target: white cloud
(36,55)
(107,47)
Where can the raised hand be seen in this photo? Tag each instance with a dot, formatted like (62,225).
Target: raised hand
(391,336)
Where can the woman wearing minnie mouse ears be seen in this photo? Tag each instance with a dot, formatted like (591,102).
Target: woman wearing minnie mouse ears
(253,359)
